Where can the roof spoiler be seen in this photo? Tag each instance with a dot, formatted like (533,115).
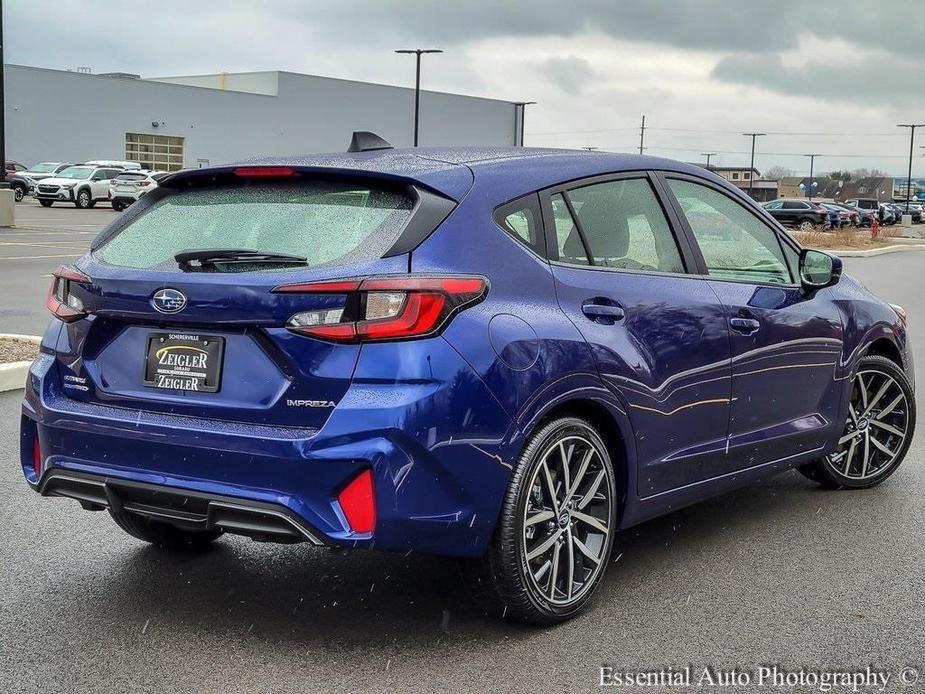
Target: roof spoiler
(365,141)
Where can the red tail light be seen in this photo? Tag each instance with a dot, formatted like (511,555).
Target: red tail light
(264,171)
(385,308)
(37,457)
(142,184)
(358,503)
(61,301)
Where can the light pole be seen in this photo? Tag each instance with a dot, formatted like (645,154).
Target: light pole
(751,172)
(708,155)
(3,183)
(912,127)
(418,52)
(809,187)
(520,111)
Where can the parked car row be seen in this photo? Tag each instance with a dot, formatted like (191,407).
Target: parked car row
(807,214)
(118,182)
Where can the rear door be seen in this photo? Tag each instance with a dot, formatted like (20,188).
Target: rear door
(785,346)
(658,334)
(208,339)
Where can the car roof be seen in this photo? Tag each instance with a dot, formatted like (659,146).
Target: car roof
(505,172)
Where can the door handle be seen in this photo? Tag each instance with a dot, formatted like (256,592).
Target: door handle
(603,312)
(746,326)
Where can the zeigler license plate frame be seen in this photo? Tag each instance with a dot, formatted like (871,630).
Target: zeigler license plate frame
(190,362)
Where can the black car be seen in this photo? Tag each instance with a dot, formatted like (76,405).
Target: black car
(802,214)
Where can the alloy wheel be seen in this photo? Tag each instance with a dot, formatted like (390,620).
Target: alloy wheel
(567,520)
(877,427)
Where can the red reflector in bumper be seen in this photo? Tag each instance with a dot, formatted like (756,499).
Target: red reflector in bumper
(359,503)
(37,457)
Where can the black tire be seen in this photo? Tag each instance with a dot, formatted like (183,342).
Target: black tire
(19,192)
(84,199)
(46,203)
(834,471)
(163,534)
(806,224)
(118,206)
(500,580)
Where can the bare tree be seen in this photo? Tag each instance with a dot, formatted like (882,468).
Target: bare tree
(775,173)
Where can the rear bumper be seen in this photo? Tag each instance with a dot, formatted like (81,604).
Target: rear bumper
(185,509)
(440,451)
(123,198)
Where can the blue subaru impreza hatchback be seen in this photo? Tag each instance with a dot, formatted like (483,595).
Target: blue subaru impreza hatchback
(503,355)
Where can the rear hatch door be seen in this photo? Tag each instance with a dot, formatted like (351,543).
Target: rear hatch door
(207,338)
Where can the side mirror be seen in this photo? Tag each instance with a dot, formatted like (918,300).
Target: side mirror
(818,270)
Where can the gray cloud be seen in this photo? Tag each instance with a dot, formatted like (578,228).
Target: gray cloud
(871,81)
(570,74)
(683,68)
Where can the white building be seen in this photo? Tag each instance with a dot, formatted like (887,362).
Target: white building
(170,123)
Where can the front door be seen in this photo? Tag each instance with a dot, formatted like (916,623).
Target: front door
(658,335)
(785,346)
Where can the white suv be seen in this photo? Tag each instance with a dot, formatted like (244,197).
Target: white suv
(128,186)
(82,185)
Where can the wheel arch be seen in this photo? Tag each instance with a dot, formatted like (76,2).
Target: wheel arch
(611,423)
(885,347)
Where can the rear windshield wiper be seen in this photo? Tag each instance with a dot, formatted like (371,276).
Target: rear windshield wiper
(209,257)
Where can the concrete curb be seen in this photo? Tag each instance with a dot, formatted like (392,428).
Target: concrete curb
(36,339)
(13,375)
(853,253)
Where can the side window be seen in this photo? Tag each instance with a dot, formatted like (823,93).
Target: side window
(734,242)
(625,227)
(520,219)
(568,240)
(773,206)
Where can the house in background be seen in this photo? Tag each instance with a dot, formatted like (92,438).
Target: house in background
(877,187)
(827,188)
(746,178)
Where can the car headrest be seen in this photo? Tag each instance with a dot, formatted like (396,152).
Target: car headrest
(605,227)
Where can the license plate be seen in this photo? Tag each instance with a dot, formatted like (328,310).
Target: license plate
(184,361)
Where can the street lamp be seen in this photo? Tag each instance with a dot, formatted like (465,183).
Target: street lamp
(751,172)
(809,188)
(708,155)
(3,183)
(912,127)
(520,110)
(417,82)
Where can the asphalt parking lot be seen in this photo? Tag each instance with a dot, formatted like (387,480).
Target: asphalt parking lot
(777,573)
(43,238)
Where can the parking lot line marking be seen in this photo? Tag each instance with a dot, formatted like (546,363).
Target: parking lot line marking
(40,257)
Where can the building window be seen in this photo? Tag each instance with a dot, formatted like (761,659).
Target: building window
(155,152)
(735,176)
(746,175)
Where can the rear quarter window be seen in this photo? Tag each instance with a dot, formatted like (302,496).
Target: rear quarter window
(326,223)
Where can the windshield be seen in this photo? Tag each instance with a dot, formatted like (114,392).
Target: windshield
(42,168)
(326,223)
(76,172)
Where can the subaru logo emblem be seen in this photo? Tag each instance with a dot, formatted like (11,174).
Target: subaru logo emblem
(169,300)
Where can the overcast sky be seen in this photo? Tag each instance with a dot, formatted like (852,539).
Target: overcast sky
(818,76)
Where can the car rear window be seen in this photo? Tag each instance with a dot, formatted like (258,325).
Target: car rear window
(326,223)
(131,177)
